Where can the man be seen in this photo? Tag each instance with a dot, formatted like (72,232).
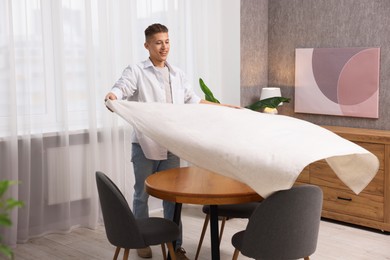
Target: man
(153,80)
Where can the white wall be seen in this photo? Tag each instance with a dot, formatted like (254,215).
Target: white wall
(215,51)
(230,92)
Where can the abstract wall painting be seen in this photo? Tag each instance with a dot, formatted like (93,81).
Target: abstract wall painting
(337,81)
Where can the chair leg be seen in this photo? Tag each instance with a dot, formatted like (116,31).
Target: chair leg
(164,251)
(126,254)
(235,254)
(222,227)
(171,251)
(116,253)
(205,224)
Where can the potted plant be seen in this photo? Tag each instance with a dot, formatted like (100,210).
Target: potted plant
(6,206)
(266,104)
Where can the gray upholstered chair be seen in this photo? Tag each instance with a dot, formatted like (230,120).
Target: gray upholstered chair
(284,226)
(123,230)
(244,210)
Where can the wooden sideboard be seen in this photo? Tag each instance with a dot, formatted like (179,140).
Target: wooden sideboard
(371,208)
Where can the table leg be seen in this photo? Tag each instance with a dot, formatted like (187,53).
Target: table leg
(176,219)
(177,213)
(214,232)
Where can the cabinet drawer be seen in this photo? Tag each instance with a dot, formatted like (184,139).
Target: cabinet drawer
(322,175)
(362,205)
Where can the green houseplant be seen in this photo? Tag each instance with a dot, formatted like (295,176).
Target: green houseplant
(6,206)
(272,102)
(207,92)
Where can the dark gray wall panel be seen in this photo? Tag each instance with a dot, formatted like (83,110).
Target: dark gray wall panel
(254,49)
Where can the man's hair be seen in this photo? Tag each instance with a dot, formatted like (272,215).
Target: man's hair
(153,29)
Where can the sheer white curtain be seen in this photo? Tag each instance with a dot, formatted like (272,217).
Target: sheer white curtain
(58,59)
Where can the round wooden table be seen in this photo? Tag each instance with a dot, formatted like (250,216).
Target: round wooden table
(192,185)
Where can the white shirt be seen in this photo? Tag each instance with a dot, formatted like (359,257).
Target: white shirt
(144,83)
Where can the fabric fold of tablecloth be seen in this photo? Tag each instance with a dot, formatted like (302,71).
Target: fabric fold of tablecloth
(267,152)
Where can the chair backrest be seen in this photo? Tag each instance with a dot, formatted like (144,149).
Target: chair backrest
(119,221)
(285,225)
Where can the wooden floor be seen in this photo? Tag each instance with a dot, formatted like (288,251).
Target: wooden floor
(336,241)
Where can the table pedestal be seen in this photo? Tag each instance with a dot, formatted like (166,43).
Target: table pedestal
(194,185)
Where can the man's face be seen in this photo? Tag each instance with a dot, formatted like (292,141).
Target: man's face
(158,47)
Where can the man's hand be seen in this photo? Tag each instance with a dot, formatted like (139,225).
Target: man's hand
(110,96)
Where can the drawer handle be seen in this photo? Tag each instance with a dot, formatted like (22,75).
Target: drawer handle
(347,199)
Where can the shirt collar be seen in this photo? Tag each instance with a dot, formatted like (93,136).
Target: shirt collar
(148,63)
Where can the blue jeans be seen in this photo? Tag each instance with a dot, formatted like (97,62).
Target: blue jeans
(143,167)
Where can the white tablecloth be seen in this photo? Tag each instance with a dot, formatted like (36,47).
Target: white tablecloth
(267,152)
